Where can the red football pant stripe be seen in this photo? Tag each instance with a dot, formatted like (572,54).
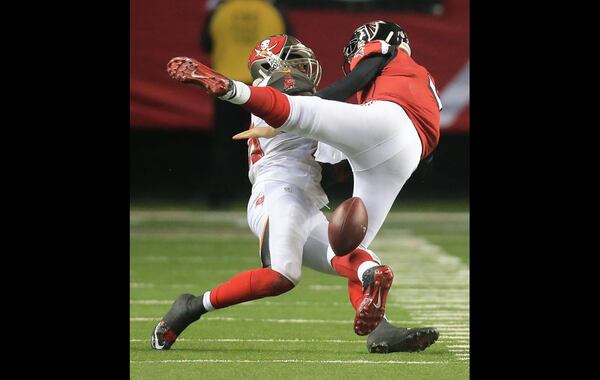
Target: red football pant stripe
(269,104)
(249,285)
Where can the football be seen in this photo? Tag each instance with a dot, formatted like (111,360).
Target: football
(348,226)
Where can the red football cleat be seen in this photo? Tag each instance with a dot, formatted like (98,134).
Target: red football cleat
(189,70)
(377,282)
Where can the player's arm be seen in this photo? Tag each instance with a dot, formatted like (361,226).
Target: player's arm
(266,132)
(363,74)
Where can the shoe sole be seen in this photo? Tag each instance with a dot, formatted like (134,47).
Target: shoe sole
(206,78)
(416,340)
(368,316)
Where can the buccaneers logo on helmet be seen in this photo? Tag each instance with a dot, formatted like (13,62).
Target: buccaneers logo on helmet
(265,49)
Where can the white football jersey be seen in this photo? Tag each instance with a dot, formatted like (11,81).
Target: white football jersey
(287,158)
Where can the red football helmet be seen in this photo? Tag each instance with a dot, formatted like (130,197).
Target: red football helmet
(282,50)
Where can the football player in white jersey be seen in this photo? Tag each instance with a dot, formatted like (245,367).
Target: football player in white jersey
(284,213)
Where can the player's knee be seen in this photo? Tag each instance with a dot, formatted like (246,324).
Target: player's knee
(269,283)
(291,271)
(279,284)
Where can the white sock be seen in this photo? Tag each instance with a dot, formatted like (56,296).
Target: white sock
(362,268)
(330,256)
(206,302)
(239,93)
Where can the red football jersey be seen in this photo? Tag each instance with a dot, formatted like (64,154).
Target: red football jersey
(409,85)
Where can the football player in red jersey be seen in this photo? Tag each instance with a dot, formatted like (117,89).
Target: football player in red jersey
(384,137)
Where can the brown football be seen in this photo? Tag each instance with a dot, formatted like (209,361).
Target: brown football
(348,226)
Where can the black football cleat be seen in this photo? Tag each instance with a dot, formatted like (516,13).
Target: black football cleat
(185,310)
(387,338)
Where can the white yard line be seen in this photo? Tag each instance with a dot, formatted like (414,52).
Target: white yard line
(149,285)
(261,340)
(430,284)
(425,307)
(285,361)
(267,320)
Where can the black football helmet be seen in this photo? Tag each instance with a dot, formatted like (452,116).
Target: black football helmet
(386,31)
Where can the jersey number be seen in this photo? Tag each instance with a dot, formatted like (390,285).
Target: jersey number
(435,93)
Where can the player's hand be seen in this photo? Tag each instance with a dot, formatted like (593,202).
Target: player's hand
(264,132)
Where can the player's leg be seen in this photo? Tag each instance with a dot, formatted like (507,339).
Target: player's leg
(279,216)
(289,227)
(353,129)
(367,134)
(282,238)
(318,255)
(385,337)
(282,216)
(378,187)
(314,254)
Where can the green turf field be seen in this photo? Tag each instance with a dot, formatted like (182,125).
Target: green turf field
(305,333)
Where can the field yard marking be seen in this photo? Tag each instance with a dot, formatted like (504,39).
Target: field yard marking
(149,285)
(236,217)
(285,361)
(150,302)
(430,285)
(261,303)
(270,320)
(430,282)
(233,217)
(326,287)
(444,314)
(260,340)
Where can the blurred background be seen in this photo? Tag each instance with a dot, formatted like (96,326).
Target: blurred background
(180,146)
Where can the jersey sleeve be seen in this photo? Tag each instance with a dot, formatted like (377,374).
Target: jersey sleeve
(369,49)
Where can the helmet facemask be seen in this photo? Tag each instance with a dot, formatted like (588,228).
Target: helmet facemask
(302,58)
(294,55)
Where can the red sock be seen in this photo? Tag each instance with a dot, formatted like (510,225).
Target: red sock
(347,266)
(269,104)
(355,293)
(249,285)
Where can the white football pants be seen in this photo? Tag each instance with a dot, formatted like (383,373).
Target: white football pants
(291,229)
(380,141)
